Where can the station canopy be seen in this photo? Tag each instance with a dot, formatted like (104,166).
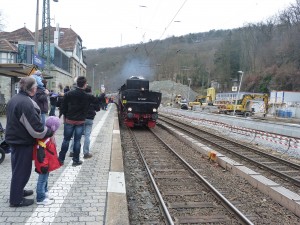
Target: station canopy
(19,70)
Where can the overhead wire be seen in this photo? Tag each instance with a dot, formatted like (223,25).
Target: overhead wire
(172,19)
(166,28)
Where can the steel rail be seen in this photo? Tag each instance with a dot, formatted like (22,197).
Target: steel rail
(214,190)
(162,202)
(276,172)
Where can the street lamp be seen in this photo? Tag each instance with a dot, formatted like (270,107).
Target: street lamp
(94,77)
(189,79)
(238,93)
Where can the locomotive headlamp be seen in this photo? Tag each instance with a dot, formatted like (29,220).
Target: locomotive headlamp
(143,89)
(154,110)
(129,109)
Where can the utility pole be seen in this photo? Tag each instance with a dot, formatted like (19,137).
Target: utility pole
(94,77)
(46,29)
(46,33)
(188,100)
(238,93)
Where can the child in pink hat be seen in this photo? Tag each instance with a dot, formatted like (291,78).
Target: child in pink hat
(46,160)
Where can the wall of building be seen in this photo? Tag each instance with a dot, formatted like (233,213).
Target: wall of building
(66,65)
(60,78)
(5,89)
(285,97)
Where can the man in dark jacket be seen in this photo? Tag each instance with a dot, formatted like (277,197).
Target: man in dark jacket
(23,127)
(102,101)
(88,125)
(53,102)
(74,109)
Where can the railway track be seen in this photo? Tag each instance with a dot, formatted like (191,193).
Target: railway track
(282,171)
(143,204)
(184,195)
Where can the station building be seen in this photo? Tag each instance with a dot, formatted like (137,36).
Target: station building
(17,49)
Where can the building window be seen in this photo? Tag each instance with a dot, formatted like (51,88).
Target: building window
(78,49)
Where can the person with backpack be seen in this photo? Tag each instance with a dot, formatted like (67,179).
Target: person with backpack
(46,160)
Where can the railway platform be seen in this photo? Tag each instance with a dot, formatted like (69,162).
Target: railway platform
(92,193)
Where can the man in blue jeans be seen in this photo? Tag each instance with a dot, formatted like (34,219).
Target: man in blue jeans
(74,109)
(88,125)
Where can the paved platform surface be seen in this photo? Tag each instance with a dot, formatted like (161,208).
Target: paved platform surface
(93,193)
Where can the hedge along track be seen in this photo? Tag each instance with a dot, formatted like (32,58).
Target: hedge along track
(172,176)
(286,173)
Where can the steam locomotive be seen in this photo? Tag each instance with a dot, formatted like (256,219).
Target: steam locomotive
(138,106)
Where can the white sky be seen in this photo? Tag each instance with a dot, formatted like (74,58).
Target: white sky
(111,23)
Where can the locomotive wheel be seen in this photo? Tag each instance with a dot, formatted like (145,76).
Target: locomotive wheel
(2,155)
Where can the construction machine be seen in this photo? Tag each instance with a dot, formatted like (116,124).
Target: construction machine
(204,99)
(199,100)
(177,99)
(245,106)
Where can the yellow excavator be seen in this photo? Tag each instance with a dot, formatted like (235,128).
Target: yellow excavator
(244,106)
(204,99)
(199,100)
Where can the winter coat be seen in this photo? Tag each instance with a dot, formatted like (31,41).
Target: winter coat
(53,99)
(23,121)
(45,156)
(76,103)
(41,98)
(93,108)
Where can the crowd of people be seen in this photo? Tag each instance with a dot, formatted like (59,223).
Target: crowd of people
(30,133)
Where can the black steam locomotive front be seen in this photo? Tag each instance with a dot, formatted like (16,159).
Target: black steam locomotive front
(138,105)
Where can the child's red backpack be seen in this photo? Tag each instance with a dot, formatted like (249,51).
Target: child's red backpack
(45,156)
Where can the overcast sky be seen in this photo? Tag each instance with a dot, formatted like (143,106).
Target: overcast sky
(111,23)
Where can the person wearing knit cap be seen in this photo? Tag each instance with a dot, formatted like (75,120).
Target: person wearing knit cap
(22,128)
(46,160)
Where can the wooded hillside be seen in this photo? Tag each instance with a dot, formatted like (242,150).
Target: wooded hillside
(267,52)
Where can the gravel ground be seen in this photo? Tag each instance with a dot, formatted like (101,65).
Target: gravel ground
(170,88)
(258,207)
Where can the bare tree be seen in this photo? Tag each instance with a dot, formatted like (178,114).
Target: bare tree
(1,22)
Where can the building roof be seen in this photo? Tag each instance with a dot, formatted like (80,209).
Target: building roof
(6,46)
(67,40)
(22,34)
